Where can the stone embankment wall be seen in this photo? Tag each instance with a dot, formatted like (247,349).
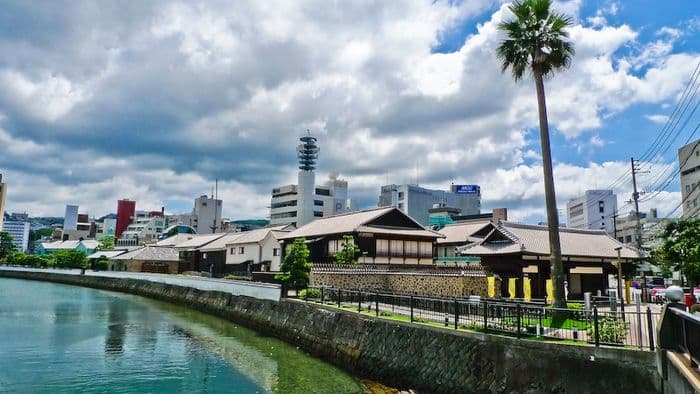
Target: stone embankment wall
(409,356)
(425,284)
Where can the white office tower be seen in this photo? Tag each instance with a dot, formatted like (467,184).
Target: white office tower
(689,161)
(19,232)
(593,211)
(70,219)
(416,201)
(207,215)
(302,203)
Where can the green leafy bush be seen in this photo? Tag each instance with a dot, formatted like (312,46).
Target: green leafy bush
(102,264)
(70,259)
(695,308)
(16,258)
(310,293)
(235,277)
(610,330)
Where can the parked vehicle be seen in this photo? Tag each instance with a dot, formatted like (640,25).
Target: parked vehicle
(658,294)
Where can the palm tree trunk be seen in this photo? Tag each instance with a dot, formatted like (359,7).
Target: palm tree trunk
(557,269)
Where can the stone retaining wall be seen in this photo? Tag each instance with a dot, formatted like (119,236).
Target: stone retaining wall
(431,285)
(409,356)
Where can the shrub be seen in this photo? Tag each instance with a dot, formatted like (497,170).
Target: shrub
(36,261)
(70,259)
(102,264)
(309,293)
(610,330)
(16,258)
(695,308)
(235,277)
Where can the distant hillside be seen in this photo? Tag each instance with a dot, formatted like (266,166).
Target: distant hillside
(47,220)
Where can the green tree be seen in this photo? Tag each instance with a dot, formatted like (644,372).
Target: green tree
(107,243)
(70,259)
(348,252)
(35,235)
(6,245)
(16,258)
(296,266)
(536,45)
(680,250)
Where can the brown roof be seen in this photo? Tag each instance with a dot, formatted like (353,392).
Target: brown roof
(148,252)
(534,240)
(352,222)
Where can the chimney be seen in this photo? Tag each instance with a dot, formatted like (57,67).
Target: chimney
(500,214)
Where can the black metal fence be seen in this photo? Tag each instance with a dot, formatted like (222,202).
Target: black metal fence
(684,334)
(597,326)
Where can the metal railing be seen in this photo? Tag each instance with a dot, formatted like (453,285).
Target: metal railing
(683,334)
(597,326)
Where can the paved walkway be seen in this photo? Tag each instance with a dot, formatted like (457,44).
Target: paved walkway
(266,291)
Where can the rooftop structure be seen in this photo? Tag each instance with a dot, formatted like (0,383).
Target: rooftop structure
(304,202)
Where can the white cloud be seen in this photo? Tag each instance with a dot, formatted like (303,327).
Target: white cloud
(657,118)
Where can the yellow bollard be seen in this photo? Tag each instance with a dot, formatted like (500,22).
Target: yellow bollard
(526,289)
(550,290)
(491,286)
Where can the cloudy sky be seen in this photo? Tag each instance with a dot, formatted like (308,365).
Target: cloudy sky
(154,100)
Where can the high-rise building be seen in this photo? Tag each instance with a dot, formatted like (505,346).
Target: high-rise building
(304,202)
(206,217)
(594,210)
(19,232)
(3,198)
(126,210)
(416,201)
(689,160)
(70,219)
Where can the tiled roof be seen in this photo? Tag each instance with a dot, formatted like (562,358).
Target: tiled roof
(256,236)
(351,222)
(398,231)
(199,240)
(534,240)
(220,244)
(175,240)
(106,253)
(90,243)
(461,233)
(154,253)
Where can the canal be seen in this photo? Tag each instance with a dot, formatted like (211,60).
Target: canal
(57,338)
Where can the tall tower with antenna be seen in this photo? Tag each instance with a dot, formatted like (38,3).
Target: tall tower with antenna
(307,153)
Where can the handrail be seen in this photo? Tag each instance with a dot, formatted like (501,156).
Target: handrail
(684,333)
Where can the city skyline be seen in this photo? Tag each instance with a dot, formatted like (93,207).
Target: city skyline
(153,102)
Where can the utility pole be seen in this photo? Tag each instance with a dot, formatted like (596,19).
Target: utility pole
(216,204)
(635,197)
(614,218)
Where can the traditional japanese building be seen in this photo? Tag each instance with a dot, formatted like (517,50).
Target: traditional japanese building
(521,252)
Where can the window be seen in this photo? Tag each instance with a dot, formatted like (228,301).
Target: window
(411,248)
(628,238)
(396,247)
(241,250)
(400,195)
(400,205)
(621,239)
(292,203)
(276,251)
(601,206)
(318,214)
(576,210)
(426,249)
(382,247)
(687,188)
(318,203)
(233,251)
(204,256)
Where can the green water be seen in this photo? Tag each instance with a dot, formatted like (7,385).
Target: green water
(63,339)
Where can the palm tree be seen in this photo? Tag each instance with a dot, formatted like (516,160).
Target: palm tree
(537,45)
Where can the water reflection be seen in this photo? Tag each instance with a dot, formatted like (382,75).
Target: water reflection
(117,319)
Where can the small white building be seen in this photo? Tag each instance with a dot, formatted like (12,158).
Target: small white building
(19,232)
(144,230)
(689,162)
(259,246)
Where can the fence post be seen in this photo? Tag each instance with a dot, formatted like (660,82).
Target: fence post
(359,301)
(456,314)
(339,296)
(595,326)
(486,316)
(519,313)
(411,302)
(639,323)
(376,303)
(650,327)
(322,296)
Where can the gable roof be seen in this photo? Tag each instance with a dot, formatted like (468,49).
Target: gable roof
(461,233)
(258,235)
(517,238)
(90,243)
(107,253)
(148,252)
(175,240)
(220,243)
(357,221)
(199,240)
